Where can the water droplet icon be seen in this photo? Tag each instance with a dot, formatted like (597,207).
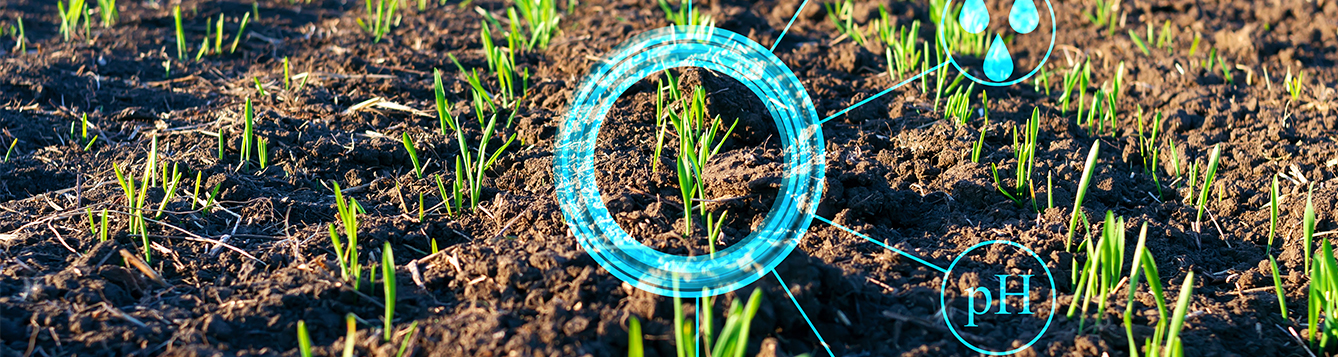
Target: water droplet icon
(1023,17)
(974,16)
(998,62)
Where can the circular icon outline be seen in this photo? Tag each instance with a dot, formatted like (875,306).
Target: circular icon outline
(797,122)
(944,44)
(943,289)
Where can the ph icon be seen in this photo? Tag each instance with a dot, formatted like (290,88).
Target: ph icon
(1003,298)
(1000,287)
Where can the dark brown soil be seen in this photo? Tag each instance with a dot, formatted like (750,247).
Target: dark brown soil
(511,279)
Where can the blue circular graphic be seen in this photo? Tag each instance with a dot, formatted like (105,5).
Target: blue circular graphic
(943,288)
(948,50)
(796,120)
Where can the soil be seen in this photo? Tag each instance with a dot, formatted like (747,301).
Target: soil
(510,278)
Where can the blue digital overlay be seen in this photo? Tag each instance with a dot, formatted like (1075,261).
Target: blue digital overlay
(998,66)
(947,277)
(796,121)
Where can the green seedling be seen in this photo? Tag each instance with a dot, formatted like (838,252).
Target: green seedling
(349,266)
(248,132)
(984,127)
(1294,85)
(135,201)
(1173,345)
(218,37)
(1277,286)
(262,147)
(380,15)
(1082,191)
(699,139)
(634,338)
(240,31)
(303,339)
(953,32)
(1077,78)
(1139,41)
(667,94)
(1105,14)
(1166,39)
(70,14)
(903,54)
(350,321)
(1024,152)
(82,138)
(958,106)
(10,151)
(475,166)
(1308,225)
(842,14)
(1208,181)
(20,36)
(1139,251)
(1101,272)
(713,230)
(541,20)
(260,89)
(169,192)
(1274,201)
(512,83)
(446,199)
(731,341)
(108,12)
(413,155)
(388,281)
(181,34)
(686,15)
(404,345)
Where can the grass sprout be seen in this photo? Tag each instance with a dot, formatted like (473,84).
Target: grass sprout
(699,139)
(686,15)
(303,339)
(732,339)
(413,155)
(108,12)
(347,255)
(1101,272)
(350,321)
(541,20)
(240,31)
(1082,191)
(19,35)
(1308,225)
(969,44)
(1024,152)
(1322,301)
(984,127)
(634,338)
(1208,180)
(1104,13)
(388,281)
(380,15)
(1274,201)
(70,15)
(1294,85)
(842,14)
(1277,285)
(181,34)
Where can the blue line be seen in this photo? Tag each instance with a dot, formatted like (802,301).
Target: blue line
(889,90)
(899,251)
(801,313)
(787,26)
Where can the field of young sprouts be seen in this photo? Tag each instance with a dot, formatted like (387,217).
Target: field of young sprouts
(375,177)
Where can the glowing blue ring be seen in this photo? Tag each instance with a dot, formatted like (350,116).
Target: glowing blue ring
(796,120)
(943,289)
(943,43)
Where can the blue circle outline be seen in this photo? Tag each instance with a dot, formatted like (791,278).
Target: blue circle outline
(943,289)
(943,42)
(796,120)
